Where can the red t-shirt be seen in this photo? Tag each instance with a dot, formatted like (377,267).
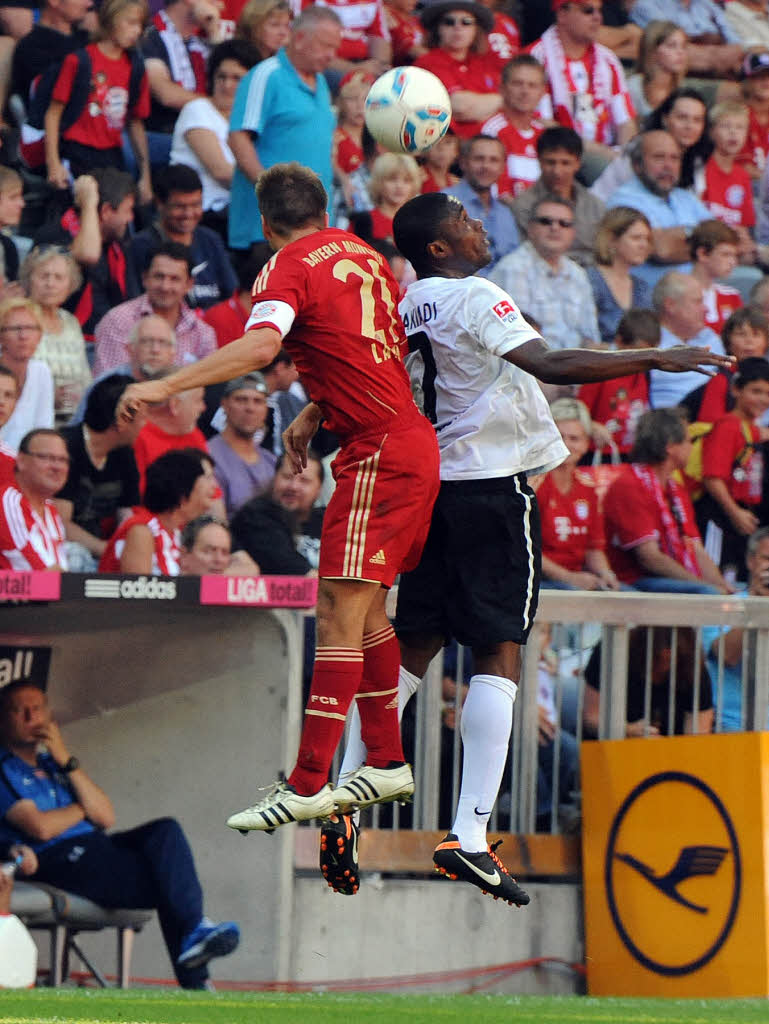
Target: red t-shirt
(757,143)
(335,302)
(714,398)
(348,154)
(572,523)
(504,40)
(521,164)
(720,300)
(381,225)
(618,404)
(429,184)
(105,113)
(153,442)
(729,195)
(474,74)
(405,34)
(165,554)
(632,516)
(28,540)
(7,465)
(228,319)
(724,456)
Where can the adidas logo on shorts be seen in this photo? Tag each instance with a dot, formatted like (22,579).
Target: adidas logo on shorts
(378,558)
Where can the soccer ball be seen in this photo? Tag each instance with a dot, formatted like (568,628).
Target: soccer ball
(408,110)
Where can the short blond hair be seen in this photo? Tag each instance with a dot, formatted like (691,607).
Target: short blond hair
(391,165)
(19,302)
(727,108)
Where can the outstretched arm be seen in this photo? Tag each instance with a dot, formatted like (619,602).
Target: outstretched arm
(582,365)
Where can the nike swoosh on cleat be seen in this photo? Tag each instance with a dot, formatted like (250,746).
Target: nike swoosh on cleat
(489,879)
(355,846)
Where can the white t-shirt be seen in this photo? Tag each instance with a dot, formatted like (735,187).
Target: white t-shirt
(34,407)
(201,113)
(490,417)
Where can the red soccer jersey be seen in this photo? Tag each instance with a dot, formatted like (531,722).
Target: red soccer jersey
(726,455)
(347,153)
(632,515)
(521,165)
(105,113)
(572,523)
(335,302)
(504,40)
(405,34)
(7,465)
(381,226)
(153,442)
(756,145)
(228,319)
(714,398)
(165,554)
(429,184)
(474,74)
(720,300)
(729,195)
(618,404)
(27,539)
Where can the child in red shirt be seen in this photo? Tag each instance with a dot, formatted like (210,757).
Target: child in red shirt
(516,126)
(728,191)
(395,178)
(714,248)
(437,162)
(94,137)
(755,91)
(733,469)
(406,34)
(347,146)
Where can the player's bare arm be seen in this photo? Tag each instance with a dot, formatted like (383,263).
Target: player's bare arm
(581,365)
(298,435)
(254,350)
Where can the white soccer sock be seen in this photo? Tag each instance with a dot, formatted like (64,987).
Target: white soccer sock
(487,718)
(355,751)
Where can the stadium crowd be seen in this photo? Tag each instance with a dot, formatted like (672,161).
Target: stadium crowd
(615,152)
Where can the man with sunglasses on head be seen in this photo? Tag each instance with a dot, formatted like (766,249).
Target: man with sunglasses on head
(547,284)
(32,534)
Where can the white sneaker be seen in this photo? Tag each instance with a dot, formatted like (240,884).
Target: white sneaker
(374,786)
(281,806)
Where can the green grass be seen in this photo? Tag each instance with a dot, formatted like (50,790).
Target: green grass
(136,1006)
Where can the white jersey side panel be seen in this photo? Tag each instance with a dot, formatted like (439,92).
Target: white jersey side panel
(490,417)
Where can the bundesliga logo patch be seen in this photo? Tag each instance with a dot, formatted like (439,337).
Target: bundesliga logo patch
(506,311)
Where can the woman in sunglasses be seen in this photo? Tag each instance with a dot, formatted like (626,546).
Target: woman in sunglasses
(457,37)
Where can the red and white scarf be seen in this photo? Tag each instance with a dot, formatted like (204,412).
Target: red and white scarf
(187,60)
(673,514)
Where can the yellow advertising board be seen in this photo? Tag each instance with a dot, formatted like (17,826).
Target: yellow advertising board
(675,865)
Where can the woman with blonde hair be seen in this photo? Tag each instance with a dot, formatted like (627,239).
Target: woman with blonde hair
(622,241)
(49,275)
(661,65)
(21,327)
(395,178)
(265,24)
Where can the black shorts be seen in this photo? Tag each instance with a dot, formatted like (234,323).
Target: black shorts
(478,579)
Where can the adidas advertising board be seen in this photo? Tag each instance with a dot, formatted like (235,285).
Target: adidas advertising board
(146,588)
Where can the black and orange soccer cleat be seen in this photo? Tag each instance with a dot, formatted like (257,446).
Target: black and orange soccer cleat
(339,854)
(483,869)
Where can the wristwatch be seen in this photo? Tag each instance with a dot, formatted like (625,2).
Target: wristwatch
(71,765)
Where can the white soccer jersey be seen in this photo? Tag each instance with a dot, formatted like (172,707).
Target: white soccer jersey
(490,417)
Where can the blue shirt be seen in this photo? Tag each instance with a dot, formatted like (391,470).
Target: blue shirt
(698,19)
(498,222)
(292,122)
(666,389)
(608,309)
(680,208)
(45,785)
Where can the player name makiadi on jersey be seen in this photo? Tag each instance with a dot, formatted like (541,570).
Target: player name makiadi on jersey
(325,252)
(419,315)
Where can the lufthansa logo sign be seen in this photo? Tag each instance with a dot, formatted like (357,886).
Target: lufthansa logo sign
(673,873)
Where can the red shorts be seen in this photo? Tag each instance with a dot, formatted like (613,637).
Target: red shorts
(378,518)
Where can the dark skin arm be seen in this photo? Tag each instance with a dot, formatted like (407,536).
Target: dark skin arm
(582,365)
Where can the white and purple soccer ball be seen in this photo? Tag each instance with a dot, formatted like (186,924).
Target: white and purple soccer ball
(408,110)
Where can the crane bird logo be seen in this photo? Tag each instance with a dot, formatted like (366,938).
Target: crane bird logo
(692,862)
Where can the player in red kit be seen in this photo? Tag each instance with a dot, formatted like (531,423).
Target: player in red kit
(331,300)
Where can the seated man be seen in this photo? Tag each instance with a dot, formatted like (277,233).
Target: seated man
(48,802)
(244,468)
(169,427)
(103,482)
(653,539)
(166,281)
(32,534)
(678,302)
(559,152)
(206,550)
(671,211)
(547,284)
(179,195)
(516,124)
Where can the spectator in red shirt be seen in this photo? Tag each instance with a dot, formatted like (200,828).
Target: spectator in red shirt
(94,138)
(504,39)
(733,469)
(516,125)
(728,192)
(457,39)
(395,178)
(31,531)
(573,539)
(169,427)
(654,544)
(180,486)
(406,35)
(714,246)
(347,153)
(755,91)
(437,162)
(618,404)
(9,395)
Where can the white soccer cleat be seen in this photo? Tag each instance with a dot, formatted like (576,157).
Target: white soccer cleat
(374,786)
(281,806)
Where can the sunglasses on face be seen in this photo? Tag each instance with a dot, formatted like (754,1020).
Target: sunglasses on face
(548,222)
(589,9)
(451,22)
